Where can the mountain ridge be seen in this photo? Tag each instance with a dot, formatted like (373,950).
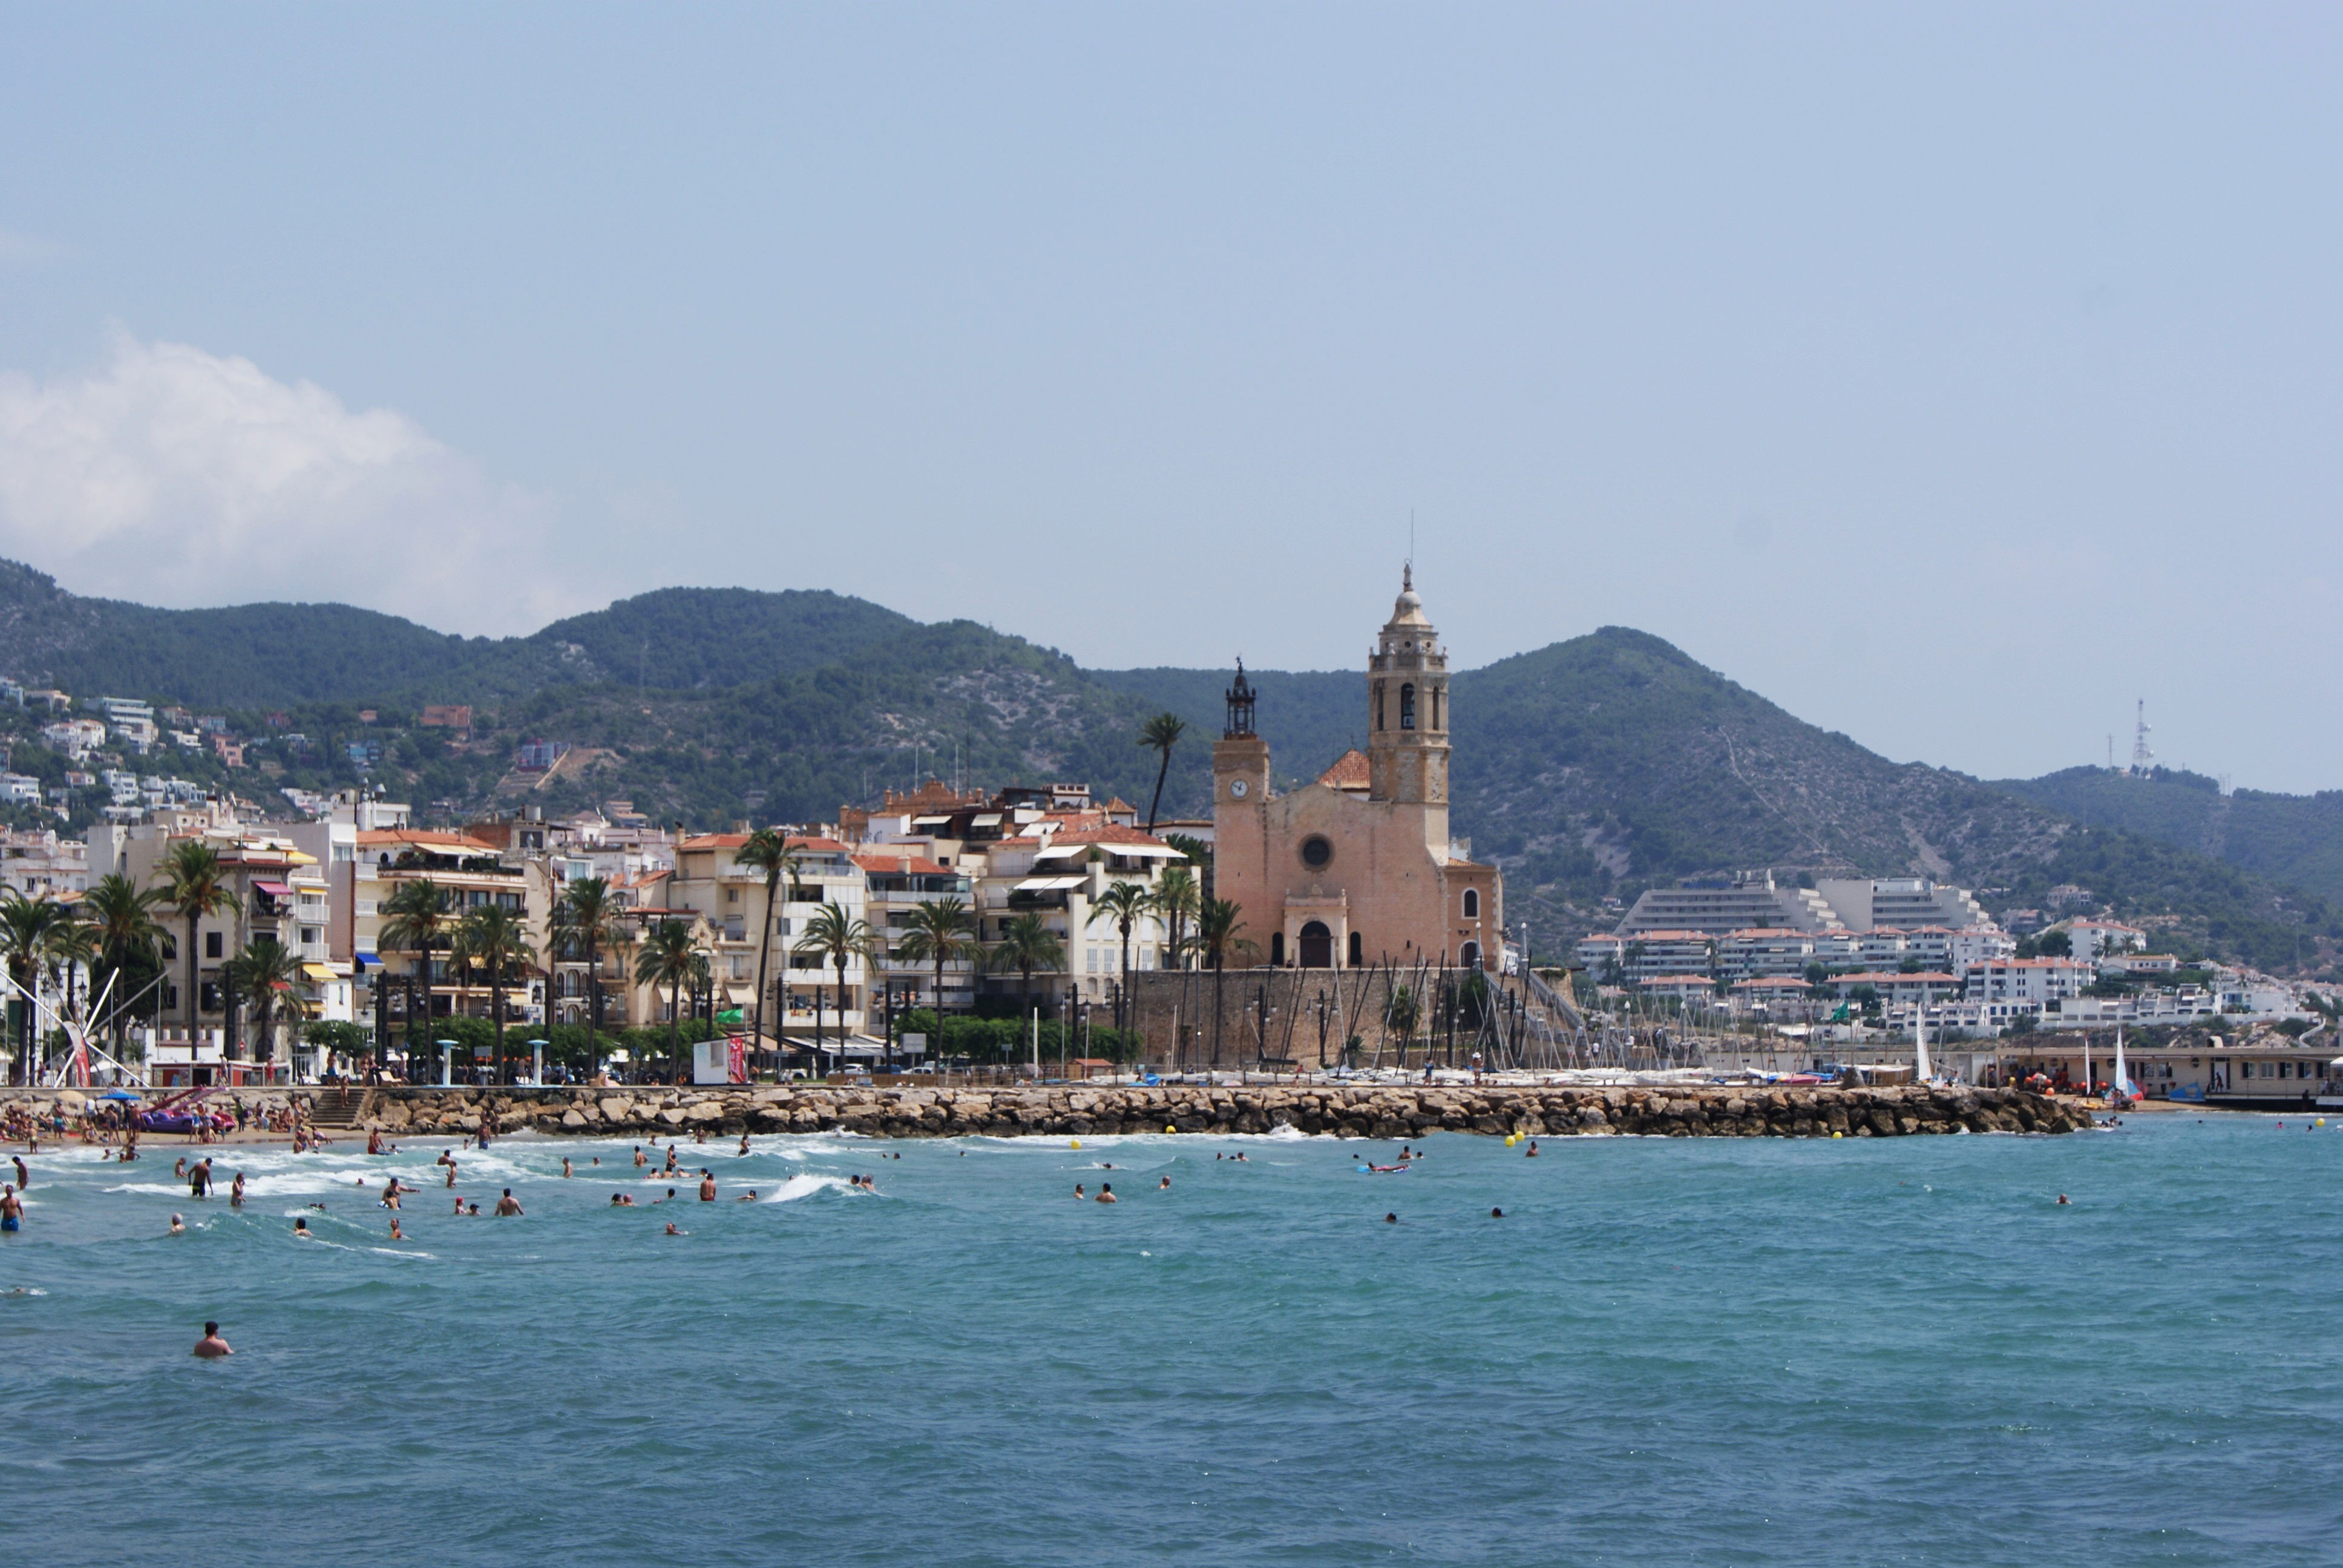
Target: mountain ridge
(1588,769)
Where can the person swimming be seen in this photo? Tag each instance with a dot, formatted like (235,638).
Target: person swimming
(1078,1190)
(1106,1193)
(748,1196)
(507,1206)
(395,1234)
(1164,1185)
(211,1347)
(301,1230)
(707,1187)
(672,1229)
(178,1226)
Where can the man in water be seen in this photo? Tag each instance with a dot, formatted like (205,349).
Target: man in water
(23,1174)
(301,1230)
(211,1347)
(390,1191)
(235,1191)
(12,1208)
(744,1140)
(672,1229)
(507,1206)
(178,1226)
(199,1178)
(707,1187)
(1106,1193)
(395,1234)
(641,1159)
(374,1140)
(748,1196)
(1533,1151)
(620,1200)
(1079,1193)
(565,1172)
(1164,1185)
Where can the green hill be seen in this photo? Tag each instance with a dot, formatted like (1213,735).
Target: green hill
(2295,840)
(1590,769)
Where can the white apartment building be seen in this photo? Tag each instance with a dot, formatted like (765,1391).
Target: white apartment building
(2092,939)
(2028,984)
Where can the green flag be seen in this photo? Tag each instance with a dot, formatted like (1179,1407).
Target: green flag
(730,1018)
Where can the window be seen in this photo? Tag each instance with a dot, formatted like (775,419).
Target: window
(1407,706)
(1378,705)
(731,895)
(1317,852)
(1276,948)
(1358,950)
(211,944)
(1472,903)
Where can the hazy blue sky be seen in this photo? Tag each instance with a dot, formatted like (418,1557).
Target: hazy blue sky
(1952,375)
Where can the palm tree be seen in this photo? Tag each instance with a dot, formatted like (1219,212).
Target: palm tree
(118,915)
(940,932)
(1126,904)
(195,885)
(27,928)
(766,850)
(841,939)
(588,919)
(1217,925)
(1160,734)
(495,935)
(264,974)
(1027,944)
(667,960)
(414,921)
(1177,899)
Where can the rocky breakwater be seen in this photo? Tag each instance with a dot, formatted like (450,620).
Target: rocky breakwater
(1387,1112)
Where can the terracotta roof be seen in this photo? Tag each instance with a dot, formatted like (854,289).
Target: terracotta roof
(824,845)
(909,867)
(1777,982)
(714,842)
(1887,977)
(421,839)
(1108,834)
(1349,772)
(1756,931)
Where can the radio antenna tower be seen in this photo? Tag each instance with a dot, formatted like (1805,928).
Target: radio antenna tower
(2142,759)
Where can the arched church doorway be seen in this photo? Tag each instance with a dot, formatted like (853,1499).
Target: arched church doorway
(1470,956)
(1317,946)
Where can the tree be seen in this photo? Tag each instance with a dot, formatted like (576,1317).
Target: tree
(940,931)
(2055,944)
(588,919)
(414,921)
(1126,904)
(27,928)
(1176,900)
(1159,735)
(120,917)
(495,937)
(667,959)
(194,886)
(766,850)
(1399,1018)
(841,939)
(264,972)
(1027,944)
(1217,925)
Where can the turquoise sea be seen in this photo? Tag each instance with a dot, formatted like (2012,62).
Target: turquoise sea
(1688,1350)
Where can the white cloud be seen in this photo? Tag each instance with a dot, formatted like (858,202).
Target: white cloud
(174,477)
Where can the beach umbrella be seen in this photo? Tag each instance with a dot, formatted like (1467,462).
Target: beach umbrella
(118,1094)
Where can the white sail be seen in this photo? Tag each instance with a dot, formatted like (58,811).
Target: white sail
(2122,1078)
(1921,1072)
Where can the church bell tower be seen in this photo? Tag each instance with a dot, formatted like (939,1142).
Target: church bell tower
(1407,709)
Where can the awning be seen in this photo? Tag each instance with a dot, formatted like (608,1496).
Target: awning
(985,820)
(364,962)
(1048,884)
(928,821)
(273,889)
(1137,852)
(318,971)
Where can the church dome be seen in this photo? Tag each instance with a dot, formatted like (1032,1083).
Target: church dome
(1408,609)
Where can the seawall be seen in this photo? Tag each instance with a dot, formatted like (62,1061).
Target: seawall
(1385,1113)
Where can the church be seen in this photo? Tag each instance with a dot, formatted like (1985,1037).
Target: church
(1357,869)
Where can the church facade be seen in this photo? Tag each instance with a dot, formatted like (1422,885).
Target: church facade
(1357,869)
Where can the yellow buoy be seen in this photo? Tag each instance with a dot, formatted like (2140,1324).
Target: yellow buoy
(1078,1143)
(1510,1141)
(1170,1129)
(1838,1135)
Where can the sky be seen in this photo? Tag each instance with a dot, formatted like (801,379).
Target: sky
(1955,376)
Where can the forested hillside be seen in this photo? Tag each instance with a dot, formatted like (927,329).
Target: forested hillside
(2295,839)
(1590,769)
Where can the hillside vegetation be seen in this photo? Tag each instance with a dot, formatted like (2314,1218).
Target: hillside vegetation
(1590,769)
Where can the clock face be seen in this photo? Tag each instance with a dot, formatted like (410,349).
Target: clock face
(1237,787)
